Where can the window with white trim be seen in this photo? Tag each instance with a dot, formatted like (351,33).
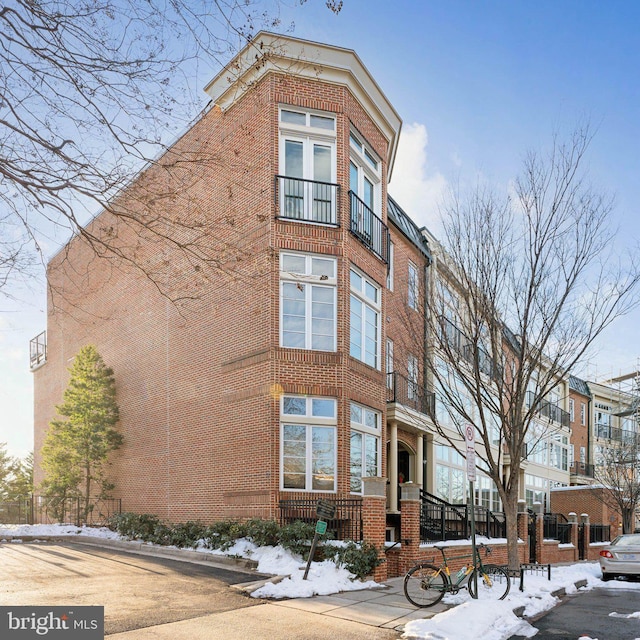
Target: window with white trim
(572,411)
(307,165)
(450,475)
(365,445)
(412,286)
(364,319)
(308,443)
(307,302)
(389,363)
(583,414)
(364,172)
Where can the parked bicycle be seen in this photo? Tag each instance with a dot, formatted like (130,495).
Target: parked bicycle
(425,584)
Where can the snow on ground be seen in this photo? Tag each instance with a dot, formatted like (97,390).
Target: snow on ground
(497,622)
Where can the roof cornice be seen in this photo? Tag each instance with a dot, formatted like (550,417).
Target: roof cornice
(269,52)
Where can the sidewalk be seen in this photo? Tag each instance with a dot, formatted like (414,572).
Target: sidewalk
(386,607)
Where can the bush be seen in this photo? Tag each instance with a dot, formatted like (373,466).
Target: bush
(135,526)
(360,559)
(223,534)
(263,533)
(296,536)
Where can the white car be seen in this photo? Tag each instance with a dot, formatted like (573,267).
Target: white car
(621,557)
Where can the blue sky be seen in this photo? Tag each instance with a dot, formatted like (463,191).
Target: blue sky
(477,84)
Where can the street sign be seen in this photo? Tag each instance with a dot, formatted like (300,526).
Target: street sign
(321,527)
(325,510)
(470,440)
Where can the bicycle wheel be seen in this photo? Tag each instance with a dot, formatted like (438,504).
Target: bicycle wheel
(424,585)
(493,582)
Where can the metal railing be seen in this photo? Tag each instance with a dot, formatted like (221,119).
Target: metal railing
(549,410)
(38,350)
(607,432)
(369,228)
(440,520)
(582,469)
(458,342)
(345,525)
(307,200)
(409,394)
(599,533)
(36,509)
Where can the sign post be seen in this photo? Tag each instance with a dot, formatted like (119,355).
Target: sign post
(325,510)
(470,441)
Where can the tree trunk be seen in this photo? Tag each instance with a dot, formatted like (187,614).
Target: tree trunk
(627,520)
(510,507)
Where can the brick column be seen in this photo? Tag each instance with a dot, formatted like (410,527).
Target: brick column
(409,526)
(374,520)
(573,521)
(523,528)
(584,521)
(538,510)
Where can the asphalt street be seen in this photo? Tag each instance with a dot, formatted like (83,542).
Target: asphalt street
(136,591)
(601,614)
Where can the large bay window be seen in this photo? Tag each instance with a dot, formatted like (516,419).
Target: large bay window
(365,319)
(365,445)
(307,302)
(308,443)
(307,189)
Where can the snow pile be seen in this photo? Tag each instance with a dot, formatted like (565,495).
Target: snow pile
(54,530)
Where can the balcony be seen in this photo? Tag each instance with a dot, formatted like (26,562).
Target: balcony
(38,350)
(368,228)
(581,469)
(549,410)
(607,432)
(409,394)
(307,200)
(459,343)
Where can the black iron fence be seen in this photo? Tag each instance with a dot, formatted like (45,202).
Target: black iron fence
(36,509)
(599,533)
(345,525)
(582,469)
(549,410)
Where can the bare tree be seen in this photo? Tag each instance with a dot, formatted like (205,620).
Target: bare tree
(89,93)
(617,469)
(524,285)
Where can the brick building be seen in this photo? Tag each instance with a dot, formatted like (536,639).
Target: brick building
(279,358)
(267,381)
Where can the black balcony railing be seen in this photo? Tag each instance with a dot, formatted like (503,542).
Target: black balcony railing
(368,228)
(307,200)
(38,350)
(408,393)
(607,432)
(549,410)
(458,342)
(581,469)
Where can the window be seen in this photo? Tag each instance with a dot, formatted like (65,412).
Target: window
(412,286)
(572,412)
(583,455)
(450,475)
(307,302)
(365,319)
(390,271)
(308,166)
(602,420)
(308,443)
(365,445)
(559,451)
(583,413)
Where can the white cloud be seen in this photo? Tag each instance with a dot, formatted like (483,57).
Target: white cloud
(417,190)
